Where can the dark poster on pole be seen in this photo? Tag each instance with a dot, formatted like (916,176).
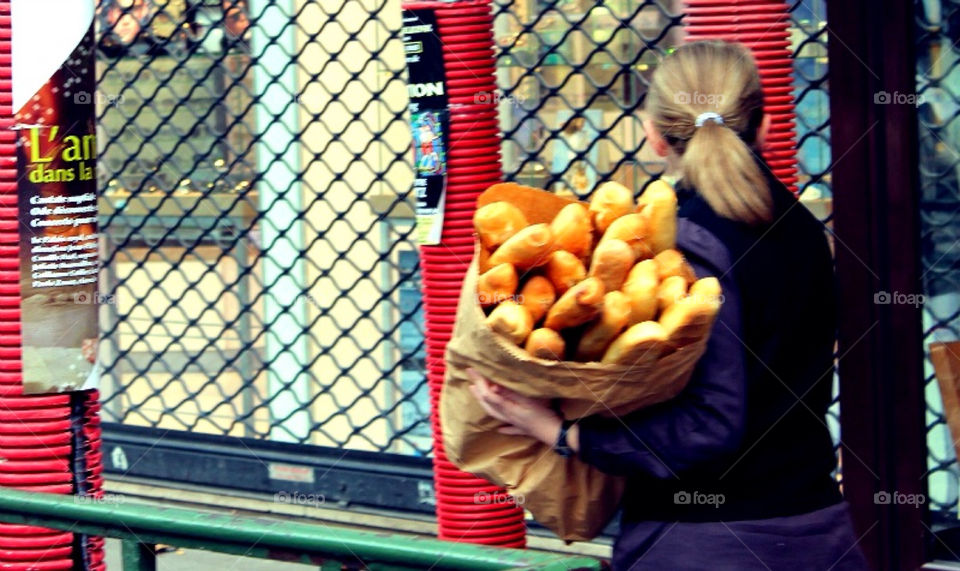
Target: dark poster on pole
(429,119)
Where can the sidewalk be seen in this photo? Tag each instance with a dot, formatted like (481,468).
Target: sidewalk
(191,560)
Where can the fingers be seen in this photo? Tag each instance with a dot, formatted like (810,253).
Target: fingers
(512,431)
(481,397)
(495,401)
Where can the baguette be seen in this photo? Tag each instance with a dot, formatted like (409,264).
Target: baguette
(565,270)
(578,305)
(537,296)
(611,263)
(496,285)
(483,264)
(528,248)
(671,290)
(613,320)
(572,230)
(658,205)
(690,318)
(640,344)
(672,263)
(610,201)
(641,288)
(496,222)
(547,344)
(511,320)
(632,229)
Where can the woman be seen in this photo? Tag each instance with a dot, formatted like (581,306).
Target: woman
(735,472)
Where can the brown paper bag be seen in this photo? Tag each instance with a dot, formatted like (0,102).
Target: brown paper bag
(567,496)
(946,365)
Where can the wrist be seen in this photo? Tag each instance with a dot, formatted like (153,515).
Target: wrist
(548,430)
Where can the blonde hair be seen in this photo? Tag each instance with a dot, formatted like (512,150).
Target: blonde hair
(718,159)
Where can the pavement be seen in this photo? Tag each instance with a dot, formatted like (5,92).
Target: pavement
(192,559)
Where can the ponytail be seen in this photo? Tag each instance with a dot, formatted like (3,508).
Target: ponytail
(724,171)
(706,100)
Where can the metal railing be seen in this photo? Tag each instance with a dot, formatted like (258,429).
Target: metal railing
(141,528)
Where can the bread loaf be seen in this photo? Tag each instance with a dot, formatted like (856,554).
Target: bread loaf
(496,222)
(511,320)
(611,263)
(641,288)
(610,201)
(537,295)
(641,343)
(497,284)
(632,229)
(565,270)
(547,344)
(690,318)
(658,205)
(613,320)
(672,263)
(572,230)
(528,248)
(578,305)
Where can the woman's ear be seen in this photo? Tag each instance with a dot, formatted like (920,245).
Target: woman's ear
(762,131)
(656,140)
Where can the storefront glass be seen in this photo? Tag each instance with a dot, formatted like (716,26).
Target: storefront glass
(938,110)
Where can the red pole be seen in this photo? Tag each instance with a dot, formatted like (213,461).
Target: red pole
(763,26)
(469,509)
(49,442)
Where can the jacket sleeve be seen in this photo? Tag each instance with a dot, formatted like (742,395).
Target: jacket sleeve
(706,421)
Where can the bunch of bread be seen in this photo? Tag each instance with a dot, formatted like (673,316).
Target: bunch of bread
(601,282)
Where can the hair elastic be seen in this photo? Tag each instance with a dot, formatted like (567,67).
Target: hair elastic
(708,116)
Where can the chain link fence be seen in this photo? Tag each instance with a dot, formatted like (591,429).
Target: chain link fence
(260,274)
(260,269)
(938,107)
(814,156)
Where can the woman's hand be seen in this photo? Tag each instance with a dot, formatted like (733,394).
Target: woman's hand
(526,416)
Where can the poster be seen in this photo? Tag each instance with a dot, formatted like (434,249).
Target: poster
(53,99)
(429,120)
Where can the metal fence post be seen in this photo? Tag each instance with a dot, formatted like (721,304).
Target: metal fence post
(282,227)
(138,556)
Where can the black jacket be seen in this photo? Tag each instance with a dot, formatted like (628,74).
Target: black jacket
(747,438)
